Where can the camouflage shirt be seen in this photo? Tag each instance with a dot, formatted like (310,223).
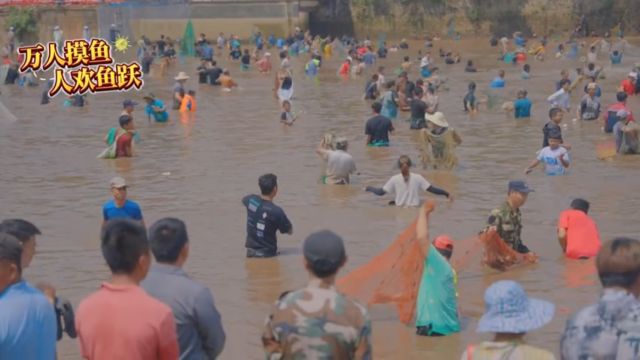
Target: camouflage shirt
(317,322)
(608,330)
(509,225)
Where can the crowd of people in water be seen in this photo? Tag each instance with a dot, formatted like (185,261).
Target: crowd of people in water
(154,310)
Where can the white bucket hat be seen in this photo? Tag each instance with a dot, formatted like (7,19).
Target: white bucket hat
(182,76)
(437,118)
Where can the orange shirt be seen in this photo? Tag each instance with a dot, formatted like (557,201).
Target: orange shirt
(583,239)
(344,69)
(628,86)
(227,82)
(123,322)
(186,100)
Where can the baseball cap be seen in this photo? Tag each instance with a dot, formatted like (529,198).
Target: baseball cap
(10,249)
(443,242)
(324,250)
(117,182)
(519,186)
(129,102)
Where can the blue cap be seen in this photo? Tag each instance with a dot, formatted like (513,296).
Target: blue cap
(519,186)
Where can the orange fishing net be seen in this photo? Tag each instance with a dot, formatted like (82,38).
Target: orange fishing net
(394,275)
(391,277)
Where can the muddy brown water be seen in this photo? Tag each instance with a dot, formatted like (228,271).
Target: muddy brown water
(199,171)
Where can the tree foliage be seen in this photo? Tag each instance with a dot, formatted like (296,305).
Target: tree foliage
(24,22)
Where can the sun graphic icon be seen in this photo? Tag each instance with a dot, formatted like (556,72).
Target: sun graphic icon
(122,44)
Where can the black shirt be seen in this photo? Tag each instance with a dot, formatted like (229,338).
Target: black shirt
(246,59)
(214,74)
(161,45)
(12,76)
(378,127)
(264,218)
(146,64)
(203,74)
(418,108)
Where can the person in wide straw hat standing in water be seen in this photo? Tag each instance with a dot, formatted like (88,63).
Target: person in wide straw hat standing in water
(439,142)
(510,314)
(179,85)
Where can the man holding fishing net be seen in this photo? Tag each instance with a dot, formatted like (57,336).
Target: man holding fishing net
(506,220)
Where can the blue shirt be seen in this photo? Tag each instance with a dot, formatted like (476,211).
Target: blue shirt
(130,210)
(198,322)
(497,83)
(162,116)
(522,108)
(369,58)
(207,52)
(28,321)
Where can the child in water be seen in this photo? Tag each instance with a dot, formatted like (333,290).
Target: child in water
(286,118)
(469,101)
(245,61)
(526,72)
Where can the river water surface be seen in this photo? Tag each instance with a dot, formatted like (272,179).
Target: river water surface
(199,171)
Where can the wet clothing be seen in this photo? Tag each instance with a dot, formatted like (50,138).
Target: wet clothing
(390,105)
(199,326)
(371,90)
(407,192)
(130,210)
(611,116)
(442,142)
(627,85)
(549,157)
(286,118)
(561,99)
(378,128)
(264,218)
(589,108)
(317,322)
(340,166)
(202,74)
(188,104)
(605,330)
(627,142)
(469,101)
(176,89)
(583,239)
(491,350)
(497,83)
(522,108)
(214,75)
(436,306)
(508,222)
(418,109)
(158,116)
(28,324)
(123,145)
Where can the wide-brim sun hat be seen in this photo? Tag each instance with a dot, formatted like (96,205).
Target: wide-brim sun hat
(182,76)
(509,310)
(437,118)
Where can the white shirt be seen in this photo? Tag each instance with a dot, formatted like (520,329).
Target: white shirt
(407,192)
(552,165)
(560,99)
(592,57)
(424,61)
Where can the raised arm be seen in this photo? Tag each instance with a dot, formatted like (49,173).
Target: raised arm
(422,231)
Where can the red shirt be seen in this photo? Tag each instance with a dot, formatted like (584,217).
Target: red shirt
(344,69)
(123,322)
(583,239)
(628,86)
(615,108)
(123,145)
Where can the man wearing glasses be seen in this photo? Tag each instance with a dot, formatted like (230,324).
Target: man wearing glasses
(120,206)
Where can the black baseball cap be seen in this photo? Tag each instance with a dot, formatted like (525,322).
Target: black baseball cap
(519,186)
(324,250)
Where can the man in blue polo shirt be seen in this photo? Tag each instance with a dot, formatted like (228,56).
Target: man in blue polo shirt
(28,321)
(120,206)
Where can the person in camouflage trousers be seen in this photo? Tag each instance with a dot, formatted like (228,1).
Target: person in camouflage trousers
(318,322)
(507,218)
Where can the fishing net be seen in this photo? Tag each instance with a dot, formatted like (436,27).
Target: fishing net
(393,276)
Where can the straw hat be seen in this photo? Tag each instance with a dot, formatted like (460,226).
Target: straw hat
(149,96)
(437,118)
(509,310)
(182,76)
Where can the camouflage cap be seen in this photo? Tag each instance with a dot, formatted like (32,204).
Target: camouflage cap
(324,250)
